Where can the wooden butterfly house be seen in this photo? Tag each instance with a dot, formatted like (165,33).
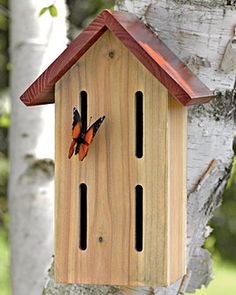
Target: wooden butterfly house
(120,214)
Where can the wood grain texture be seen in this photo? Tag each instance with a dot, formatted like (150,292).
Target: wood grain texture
(111,172)
(177,149)
(148,49)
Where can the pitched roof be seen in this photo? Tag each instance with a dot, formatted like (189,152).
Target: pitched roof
(147,48)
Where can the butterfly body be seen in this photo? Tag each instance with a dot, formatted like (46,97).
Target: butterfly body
(81,136)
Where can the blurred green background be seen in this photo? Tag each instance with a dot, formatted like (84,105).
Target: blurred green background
(221,243)
(4,124)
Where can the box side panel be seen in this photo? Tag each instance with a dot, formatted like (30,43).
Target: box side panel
(177,127)
(111,76)
(66,186)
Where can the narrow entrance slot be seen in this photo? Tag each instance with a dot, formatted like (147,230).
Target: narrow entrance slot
(139,218)
(84,108)
(83,217)
(139,124)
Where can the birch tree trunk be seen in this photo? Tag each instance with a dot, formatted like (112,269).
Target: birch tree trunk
(35,43)
(198,31)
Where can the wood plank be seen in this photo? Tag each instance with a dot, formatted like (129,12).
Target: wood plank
(177,149)
(111,172)
(147,48)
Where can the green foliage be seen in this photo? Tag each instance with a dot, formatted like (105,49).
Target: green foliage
(3,191)
(51,9)
(222,242)
(81,11)
(43,10)
(3,175)
(4,120)
(4,125)
(4,45)
(4,218)
(223,282)
(5,263)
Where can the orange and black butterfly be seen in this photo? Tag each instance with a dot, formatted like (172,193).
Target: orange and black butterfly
(81,136)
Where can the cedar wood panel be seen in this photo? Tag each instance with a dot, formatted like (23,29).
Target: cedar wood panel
(111,172)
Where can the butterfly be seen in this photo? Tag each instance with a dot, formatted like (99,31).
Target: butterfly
(82,137)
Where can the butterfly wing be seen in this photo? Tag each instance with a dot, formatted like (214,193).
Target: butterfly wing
(77,149)
(88,138)
(76,131)
(76,125)
(72,148)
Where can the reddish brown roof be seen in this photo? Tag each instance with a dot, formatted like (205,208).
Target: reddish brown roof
(148,49)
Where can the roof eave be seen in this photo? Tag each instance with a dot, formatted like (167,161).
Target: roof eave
(200,100)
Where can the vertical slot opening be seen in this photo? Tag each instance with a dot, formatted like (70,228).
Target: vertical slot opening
(139,218)
(139,124)
(83,217)
(84,108)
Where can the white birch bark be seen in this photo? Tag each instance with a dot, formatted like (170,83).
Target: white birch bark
(35,43)
(198,31)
